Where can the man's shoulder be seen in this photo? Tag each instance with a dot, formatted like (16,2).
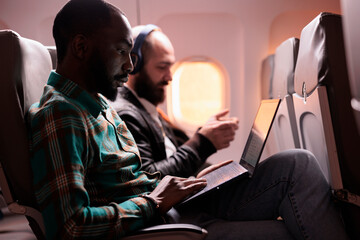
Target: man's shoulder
(55,104)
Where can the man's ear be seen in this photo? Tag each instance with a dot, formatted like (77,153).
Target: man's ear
(79,46)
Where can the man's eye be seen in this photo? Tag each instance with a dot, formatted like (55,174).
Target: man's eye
(161,67)
(121,51)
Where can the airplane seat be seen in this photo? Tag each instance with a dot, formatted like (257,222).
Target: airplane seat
(25,67)
(351,19)
(266,79)
(267,70)
(53,55)
(324,116)
(285,127)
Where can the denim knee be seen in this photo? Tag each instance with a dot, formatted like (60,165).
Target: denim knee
(297,163)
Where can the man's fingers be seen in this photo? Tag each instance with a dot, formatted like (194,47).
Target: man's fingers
(221,114)
(227,125)
(234,120)
(194,181)
(194,184)
(227,135)
(212,168)
(225,163)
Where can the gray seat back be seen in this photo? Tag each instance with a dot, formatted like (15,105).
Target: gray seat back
(267,72)
(351,19)
(53,55)
(326,123)
(285,127)
(25,67)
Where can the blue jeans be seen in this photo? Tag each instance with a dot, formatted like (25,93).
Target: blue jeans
(289,185)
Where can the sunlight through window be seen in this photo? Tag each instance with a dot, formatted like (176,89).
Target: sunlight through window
(198,90)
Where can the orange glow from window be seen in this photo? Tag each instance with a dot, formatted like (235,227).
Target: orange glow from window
(197,92)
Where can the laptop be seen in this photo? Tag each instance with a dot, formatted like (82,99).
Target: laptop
(251,154)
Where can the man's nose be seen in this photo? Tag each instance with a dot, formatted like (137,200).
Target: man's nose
(168,76)
(128,67)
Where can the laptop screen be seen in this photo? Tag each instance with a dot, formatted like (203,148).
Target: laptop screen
(252,152)
(259,133)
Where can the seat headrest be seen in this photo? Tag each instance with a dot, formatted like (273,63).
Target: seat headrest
(28,63)
(321,56)
(285,61)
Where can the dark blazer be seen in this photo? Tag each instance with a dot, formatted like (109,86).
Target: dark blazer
(191,152)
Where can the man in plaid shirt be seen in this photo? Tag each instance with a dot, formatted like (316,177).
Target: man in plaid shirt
(86,164)
(85,161)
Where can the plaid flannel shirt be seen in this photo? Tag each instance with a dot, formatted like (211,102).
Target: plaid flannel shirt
(86,166)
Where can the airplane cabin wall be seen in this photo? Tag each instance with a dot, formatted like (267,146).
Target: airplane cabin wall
(237,33)
(34,18)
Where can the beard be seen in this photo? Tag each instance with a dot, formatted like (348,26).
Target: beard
(103,82)
(145,88)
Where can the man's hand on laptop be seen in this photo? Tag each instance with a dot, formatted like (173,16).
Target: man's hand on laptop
(212,168)
(220,130)
(172,190)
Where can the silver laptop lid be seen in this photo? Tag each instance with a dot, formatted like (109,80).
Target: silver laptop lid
(259,133)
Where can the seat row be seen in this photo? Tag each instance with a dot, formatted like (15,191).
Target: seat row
(310,75)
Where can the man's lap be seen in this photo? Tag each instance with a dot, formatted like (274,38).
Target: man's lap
(248,208)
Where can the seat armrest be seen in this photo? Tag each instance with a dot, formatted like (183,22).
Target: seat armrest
(169,231)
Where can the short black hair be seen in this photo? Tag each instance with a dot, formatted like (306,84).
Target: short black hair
(80,17)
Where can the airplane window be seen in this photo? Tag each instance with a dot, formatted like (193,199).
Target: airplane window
(197,91)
